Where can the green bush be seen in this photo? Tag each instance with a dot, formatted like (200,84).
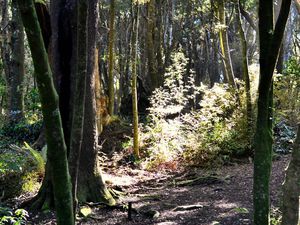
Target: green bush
(181,129)
(32,100)
(218,130)
(13,217)
(287,91)
(26,130)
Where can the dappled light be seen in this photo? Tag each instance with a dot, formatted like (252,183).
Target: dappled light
(142,112)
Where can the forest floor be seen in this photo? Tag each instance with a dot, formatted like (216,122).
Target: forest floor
(197,196)
(207,197)
(185,196)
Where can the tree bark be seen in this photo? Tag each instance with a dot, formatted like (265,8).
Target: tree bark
(152,68)
(223,34)
(17,71)
(79,96)
(270,42)
(158,42)
(245,67)
(291,187)
(134,82)
(57,152)
(90,183)
(111,40)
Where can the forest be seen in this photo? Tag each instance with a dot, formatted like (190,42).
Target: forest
(144,112)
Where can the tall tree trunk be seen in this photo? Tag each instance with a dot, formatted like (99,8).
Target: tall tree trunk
(17,71)
(291,187)
(5,45)
(245,68)
(63,56)
(270,42)
(57,151)
(134,82)
(99,104)
(223,34)
(79,96)
(158,42)
(90,183)
(111,40)
(152,68)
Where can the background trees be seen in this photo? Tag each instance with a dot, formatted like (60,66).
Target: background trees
(182,74)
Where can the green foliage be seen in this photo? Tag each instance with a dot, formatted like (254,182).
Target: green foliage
(276,216)
(11,217)
(26,130)
(218,130)
(181,128)
(32,100)
(287,91)
(162,135)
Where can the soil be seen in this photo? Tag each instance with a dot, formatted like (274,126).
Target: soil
(217,196)
(172,195)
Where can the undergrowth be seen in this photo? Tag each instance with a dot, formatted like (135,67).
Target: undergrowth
(196,125)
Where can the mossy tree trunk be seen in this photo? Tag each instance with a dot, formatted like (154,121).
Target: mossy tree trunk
(91,186)
(270,42)
(291,187)
(17,71)
(64,54)
(111,40)
(57,151)
(134,42)
(63,57)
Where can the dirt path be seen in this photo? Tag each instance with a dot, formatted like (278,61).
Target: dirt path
(225,198)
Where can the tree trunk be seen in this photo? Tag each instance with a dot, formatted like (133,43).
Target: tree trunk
(134,82)
(245,68)
(270,42)
(223,34)
(17,71)
(79,96)
(99,105)
(111,40)
(152,69)
(291,187)
(63,56)
(5,45)
(57,152)
(90,183)
(158,42)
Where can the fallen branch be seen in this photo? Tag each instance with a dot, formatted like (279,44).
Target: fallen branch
(187,207)
(201,180)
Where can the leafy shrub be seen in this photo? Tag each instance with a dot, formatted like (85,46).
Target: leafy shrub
(13,217)
(218,130)
(162,139)
(32,100)
(287,91)
(202,133)
(26,130)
